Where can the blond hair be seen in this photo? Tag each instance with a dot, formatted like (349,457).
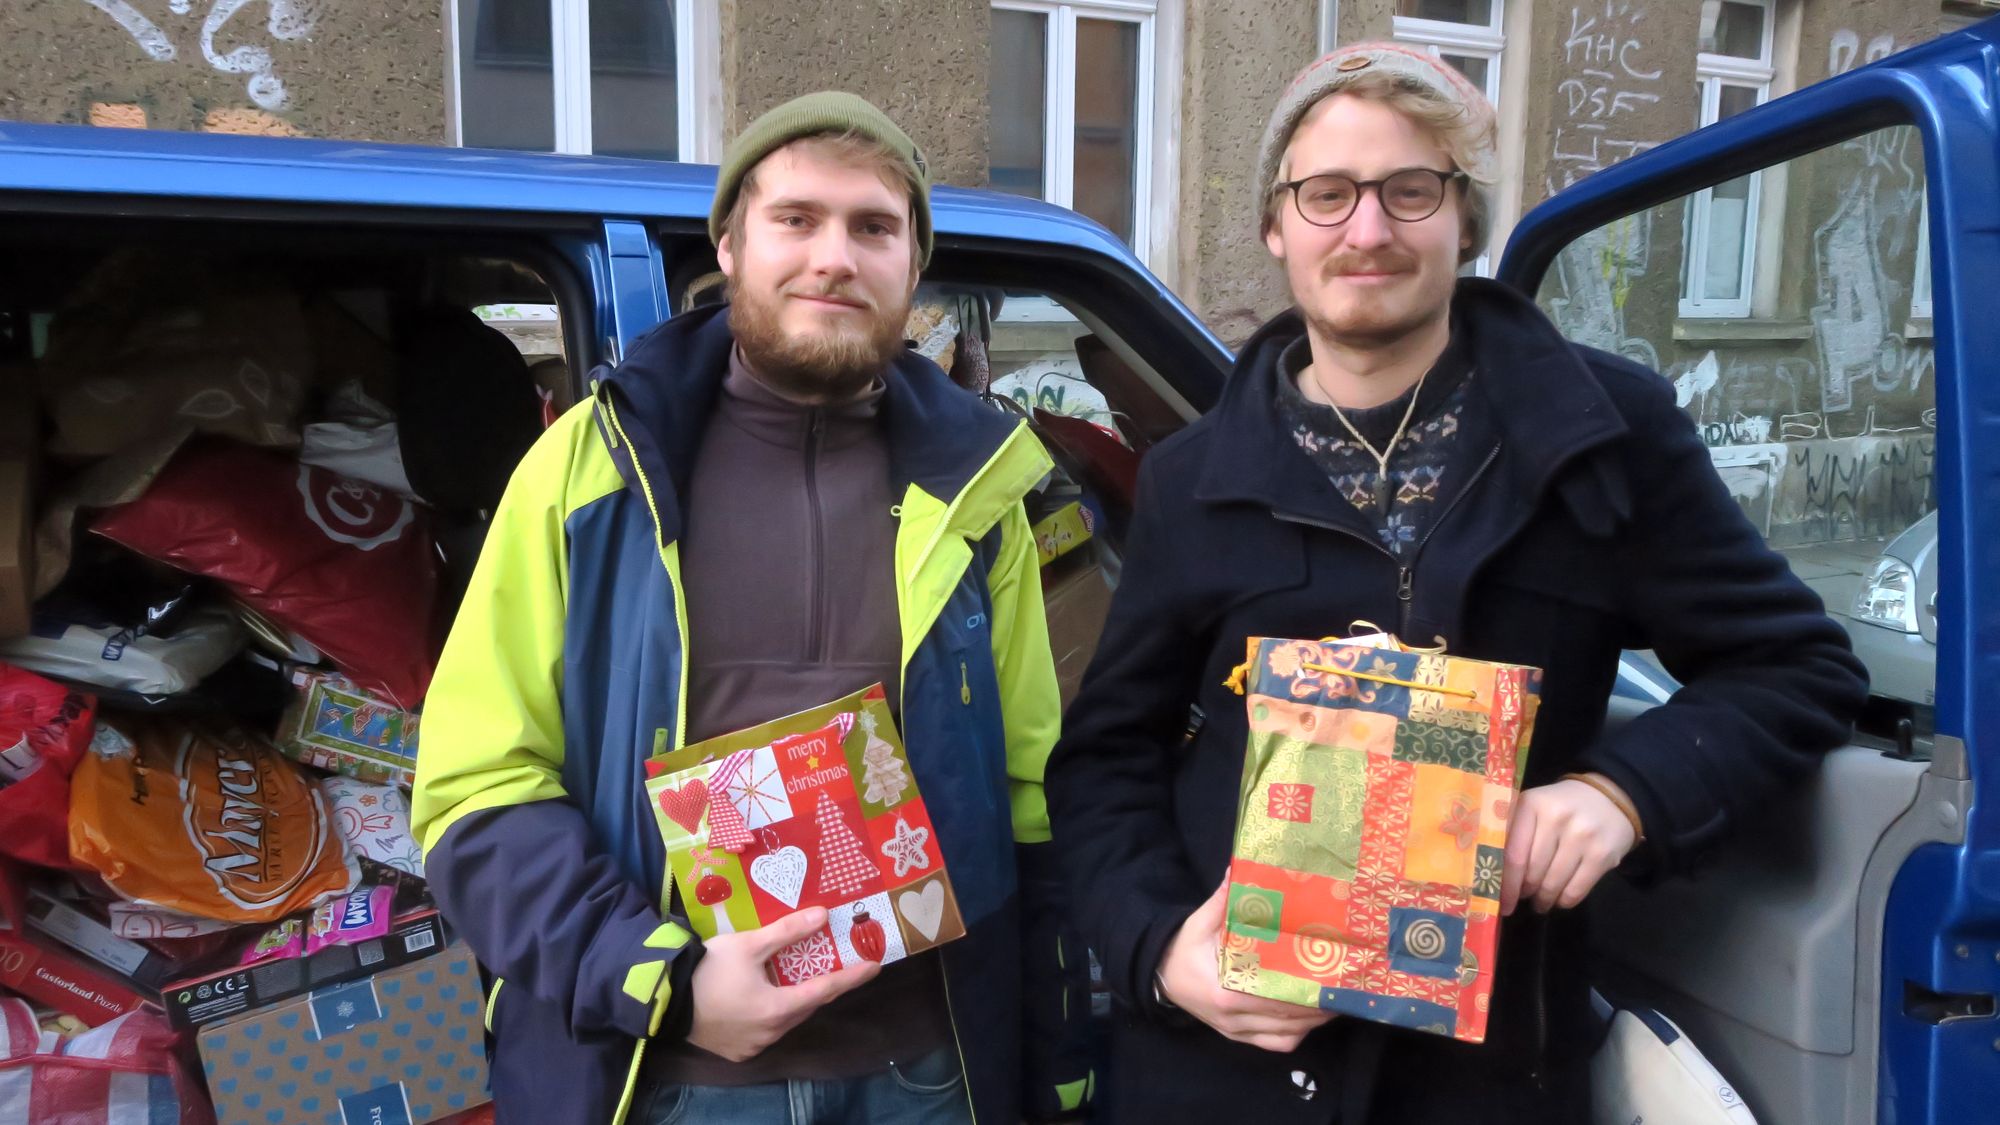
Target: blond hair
(1466,136)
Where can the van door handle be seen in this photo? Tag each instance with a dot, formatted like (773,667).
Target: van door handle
(1939,1008)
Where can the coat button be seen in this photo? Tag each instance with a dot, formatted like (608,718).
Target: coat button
(1304,1085)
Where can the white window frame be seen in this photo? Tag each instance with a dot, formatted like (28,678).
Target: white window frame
(1712,73)
(697,74)
(1487,41)
(1470,40)
(1059,103)
(1920,275)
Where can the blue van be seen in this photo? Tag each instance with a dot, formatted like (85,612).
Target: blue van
(1839,967)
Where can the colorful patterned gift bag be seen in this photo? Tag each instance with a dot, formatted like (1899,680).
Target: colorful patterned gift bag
(815,809)
(1372,827)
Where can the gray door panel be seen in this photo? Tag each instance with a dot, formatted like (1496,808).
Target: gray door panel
(1771,960)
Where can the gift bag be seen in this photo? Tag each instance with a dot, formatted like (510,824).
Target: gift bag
(1372,828)
(818,809)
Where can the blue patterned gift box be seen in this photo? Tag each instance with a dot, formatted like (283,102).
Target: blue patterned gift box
(403,1047)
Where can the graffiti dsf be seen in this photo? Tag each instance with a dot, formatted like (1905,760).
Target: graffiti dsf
(288,20)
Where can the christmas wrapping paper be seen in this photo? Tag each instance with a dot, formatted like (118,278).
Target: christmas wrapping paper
(816,809)
(1372,827)
(375,822)
(334,725)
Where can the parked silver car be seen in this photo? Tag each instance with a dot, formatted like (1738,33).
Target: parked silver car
(1893,619)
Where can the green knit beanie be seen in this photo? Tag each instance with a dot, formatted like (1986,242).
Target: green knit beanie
(830,111)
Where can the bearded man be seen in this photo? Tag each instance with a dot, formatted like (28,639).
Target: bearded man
(767,506)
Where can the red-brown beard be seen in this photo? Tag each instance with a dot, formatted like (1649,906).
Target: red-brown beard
(829,367)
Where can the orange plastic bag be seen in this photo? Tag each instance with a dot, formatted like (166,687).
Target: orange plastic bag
(215,824)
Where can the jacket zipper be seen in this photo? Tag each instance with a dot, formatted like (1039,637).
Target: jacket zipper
(816,628)
(1541,934)
(1406,573)
(1406,587)
(965,693)
(624,1106)
(958,1044)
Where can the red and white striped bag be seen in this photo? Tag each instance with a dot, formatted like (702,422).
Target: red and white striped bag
(123,1072)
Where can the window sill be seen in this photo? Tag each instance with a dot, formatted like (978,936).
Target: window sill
(1738,330)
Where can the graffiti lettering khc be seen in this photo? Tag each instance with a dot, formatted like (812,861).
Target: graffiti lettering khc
(1609,78)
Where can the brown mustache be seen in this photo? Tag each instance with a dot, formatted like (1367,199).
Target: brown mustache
(833,293)
(1345,265)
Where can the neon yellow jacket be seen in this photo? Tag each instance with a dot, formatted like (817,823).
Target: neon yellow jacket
(566,669)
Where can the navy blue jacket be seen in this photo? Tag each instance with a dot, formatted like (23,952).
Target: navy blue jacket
(1593,521)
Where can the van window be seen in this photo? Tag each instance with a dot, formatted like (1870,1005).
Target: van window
(1819,407)
(406,365)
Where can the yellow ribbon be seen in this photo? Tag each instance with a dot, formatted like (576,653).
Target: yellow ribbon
(1462,693)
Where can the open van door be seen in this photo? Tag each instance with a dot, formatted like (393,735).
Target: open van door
(1840,962)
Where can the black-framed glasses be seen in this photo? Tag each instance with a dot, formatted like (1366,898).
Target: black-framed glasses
(1409,196)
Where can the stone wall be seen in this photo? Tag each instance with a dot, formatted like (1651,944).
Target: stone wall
(356,69)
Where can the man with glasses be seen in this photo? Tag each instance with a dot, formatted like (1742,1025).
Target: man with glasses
(1427,453)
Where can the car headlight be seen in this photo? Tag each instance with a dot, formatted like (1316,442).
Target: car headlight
(1889,597)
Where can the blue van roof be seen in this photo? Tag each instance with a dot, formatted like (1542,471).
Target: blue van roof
(138,162)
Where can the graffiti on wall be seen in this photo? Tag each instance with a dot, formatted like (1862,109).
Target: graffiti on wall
(1596,274)
(284,21)
(1860,302)
(1608,79)
(1837,443)
(1832,489)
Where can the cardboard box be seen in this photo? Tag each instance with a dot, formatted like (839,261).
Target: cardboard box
(1076,605)
(335,726)
(228,991)
(44,972)
(1064,530)
(404,1046)
(79,931)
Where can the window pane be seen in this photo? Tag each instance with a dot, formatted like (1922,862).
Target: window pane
(1732,28)
(1734,100)
(1828,442)
(1728,236)
(1018,79)
(506,87)
(1474,68)
(634,92)
(1107,98)
(1451,11)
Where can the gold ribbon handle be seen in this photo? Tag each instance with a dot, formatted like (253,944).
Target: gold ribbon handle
(1239,676)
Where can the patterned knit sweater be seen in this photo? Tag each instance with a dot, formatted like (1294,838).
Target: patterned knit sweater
(1425,468)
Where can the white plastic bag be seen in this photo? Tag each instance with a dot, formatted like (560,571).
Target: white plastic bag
(113,657)
(1649,1071)
(364,453)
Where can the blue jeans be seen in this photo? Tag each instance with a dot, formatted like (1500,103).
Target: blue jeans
(927,1091)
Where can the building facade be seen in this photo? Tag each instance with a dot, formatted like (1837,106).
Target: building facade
(1791,307)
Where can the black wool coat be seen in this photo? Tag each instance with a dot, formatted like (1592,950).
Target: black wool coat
(1592,521)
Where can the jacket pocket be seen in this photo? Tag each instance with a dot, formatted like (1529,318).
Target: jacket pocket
(933,1075)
